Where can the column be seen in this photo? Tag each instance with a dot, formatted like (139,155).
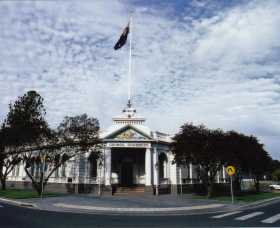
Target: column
(107,166)
(100,171)
(155,166)
(224,175)
(191,173)
(174,176)
(148,168)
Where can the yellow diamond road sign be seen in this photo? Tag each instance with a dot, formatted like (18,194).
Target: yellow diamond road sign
(230,170)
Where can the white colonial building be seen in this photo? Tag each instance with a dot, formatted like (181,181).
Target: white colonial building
(134,159)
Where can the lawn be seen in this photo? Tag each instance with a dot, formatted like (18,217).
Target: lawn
(24,194)
(245,197)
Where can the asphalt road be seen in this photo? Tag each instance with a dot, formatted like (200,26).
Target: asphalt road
(12,216)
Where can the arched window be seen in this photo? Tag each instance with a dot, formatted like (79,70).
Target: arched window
(162,160)
(63,169)
(92,159)
(17,170)
(64,158)
(37,162)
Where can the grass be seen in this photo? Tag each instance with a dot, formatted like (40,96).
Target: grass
(245,197)
(24,194)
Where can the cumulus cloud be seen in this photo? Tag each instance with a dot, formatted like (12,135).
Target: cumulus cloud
(218,66)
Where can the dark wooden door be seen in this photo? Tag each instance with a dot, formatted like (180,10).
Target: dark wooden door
(127,174)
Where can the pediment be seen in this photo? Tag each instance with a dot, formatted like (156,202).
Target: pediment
(129,133)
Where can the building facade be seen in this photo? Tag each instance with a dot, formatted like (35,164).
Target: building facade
(133,159)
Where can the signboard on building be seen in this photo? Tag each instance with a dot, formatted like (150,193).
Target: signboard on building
(128,144)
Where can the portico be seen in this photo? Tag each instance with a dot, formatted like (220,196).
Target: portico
(131,154)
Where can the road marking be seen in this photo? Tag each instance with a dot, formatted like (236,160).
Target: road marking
(227,214)
(251,215)
(272,219)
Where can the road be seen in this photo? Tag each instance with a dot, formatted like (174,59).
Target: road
(12,216)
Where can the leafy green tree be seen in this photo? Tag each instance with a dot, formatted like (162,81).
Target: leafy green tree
(24,129)
(73,137)
(26,136)
(9,155)
(276,175)
(9,158)
(26,120)
(213,149)
(248,155)
(203,147)
(24,126)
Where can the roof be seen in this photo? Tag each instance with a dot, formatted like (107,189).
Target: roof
(130,119)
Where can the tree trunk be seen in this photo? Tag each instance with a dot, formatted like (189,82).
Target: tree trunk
(3,180)
(210,190)
(257,185)
(3,183)
(36,185)
(237,184)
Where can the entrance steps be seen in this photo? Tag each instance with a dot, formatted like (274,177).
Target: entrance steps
(131,190)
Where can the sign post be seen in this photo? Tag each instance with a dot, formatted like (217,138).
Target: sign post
(231,171)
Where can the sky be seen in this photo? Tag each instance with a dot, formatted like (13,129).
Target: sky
(214,62)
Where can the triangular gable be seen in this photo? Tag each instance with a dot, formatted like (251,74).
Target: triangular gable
(128,133)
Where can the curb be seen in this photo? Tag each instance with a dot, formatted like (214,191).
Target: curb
(261,203)
(143,211)
(137,210)
(18,203)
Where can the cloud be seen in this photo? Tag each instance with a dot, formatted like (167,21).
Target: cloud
(218,66)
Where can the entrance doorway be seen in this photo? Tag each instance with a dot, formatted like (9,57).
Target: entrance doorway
(128,166)
(126,174)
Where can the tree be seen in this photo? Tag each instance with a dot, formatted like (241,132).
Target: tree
(26,120)
(260,165)
(248,155)
(203,147)
(236,155)
(9,156)
(24,128)
(276,175)
(26,136)
(73,137)
(213,149)
(275,165)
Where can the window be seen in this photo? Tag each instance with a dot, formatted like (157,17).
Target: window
(37,169)
(92,161)
(14,171)
(63,170)
(92,168)
(162,160)
(56,173)
(17,170)
(32,168)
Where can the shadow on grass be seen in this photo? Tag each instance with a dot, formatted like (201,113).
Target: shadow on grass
(245,197)
(25,194)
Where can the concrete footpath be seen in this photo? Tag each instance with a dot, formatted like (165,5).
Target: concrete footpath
(134,205)
(143,205)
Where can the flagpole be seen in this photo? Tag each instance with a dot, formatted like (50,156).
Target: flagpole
(129,60)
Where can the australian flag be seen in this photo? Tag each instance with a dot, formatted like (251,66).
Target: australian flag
(122,39)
